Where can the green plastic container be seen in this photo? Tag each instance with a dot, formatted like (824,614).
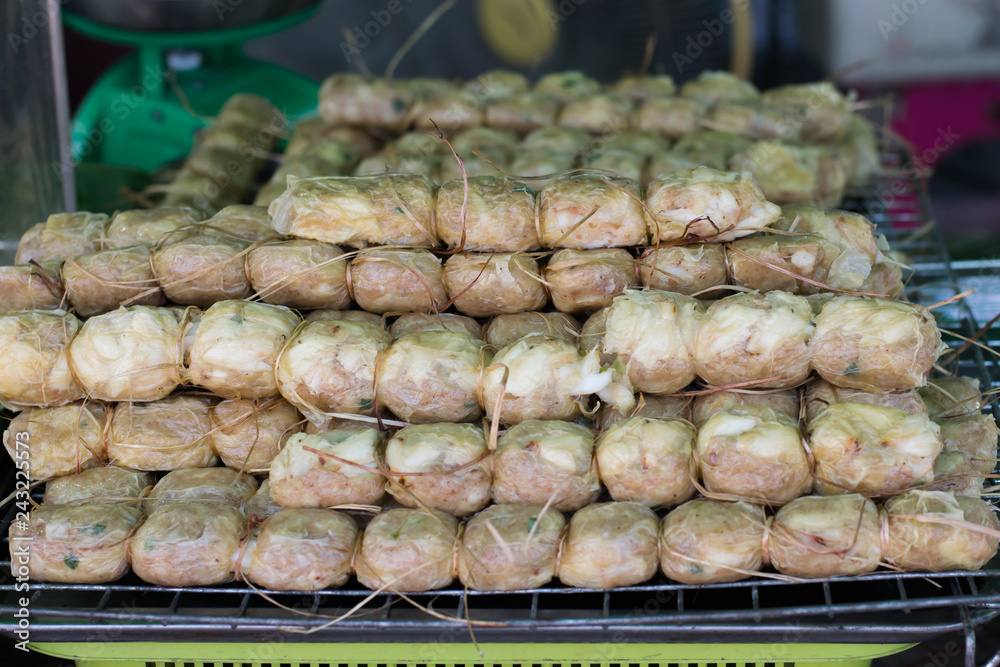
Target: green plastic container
(275,651)
(133,117)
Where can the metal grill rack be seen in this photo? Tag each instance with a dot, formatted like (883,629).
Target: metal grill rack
(880,607)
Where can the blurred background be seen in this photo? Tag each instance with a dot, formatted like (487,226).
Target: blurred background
(932,65)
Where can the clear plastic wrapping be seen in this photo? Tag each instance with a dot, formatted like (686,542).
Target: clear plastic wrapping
(75,544)
(539,462)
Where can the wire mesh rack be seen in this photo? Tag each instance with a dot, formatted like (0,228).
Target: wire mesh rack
(880,607)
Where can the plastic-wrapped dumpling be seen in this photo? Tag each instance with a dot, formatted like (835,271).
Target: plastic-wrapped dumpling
(262,503)
(188,544)
(710,148)
(820,394)
(597,113)
(503,330)
(558,139)
(300,274)
(329,366)
(821,537)
(685,269)
(670,116)
(34,353)
(568,86)
(540,166)
(860,148)
(130,354)
(385,208)
(387,279)
(951,396)
(704,202)
(653,334)
(872,449)
(62,236)
(447,110)
(976,435)
(302,550)
(235,346)
(431,376)
(764,262)
(30,287)
(850,249)
(326,315)
(794,174)
(715,86)
(59,441)
(494,143)
(648,461)
(646,405)
(497,83)
(783,402)
(609,545)
(583,211)
(393,160)
(587,280)
(616,162)
(408,550)
(510,547)
(408,323)
(754,453)
(707,541)
(956,472)
(246,108)
(499,214)
(541,461)
(753,336)
(104,484)
(592,335)
(220,486)
(484,284)
(199,268)
(874,344)
(442,462)
(74,544)
(641,87)
(936,531)
(755,120)
(522,112)
(823,111)
(207,192)
(247,435)
(165,435)
(642,143)
(146,226)
(100,282)
(249,223)
(302,478)
(303,166)
(347,98)
(886,278)
(540,377)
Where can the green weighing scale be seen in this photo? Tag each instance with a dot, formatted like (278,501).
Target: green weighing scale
(144,112)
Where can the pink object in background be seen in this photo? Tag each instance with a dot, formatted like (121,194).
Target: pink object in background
(938,118)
